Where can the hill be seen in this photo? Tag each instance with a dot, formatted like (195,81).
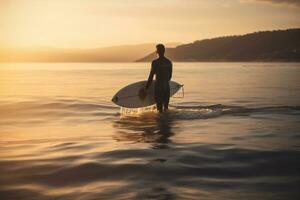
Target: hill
(279,45)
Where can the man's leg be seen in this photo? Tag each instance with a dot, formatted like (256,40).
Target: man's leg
(159,107)
(166,99)
(158,100)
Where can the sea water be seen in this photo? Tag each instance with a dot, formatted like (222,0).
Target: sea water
(235,134)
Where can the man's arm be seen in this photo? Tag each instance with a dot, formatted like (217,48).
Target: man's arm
(171,71)
(150,78)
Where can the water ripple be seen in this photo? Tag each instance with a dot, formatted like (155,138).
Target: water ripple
(194,165)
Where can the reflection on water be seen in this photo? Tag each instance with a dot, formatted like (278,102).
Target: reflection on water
(149,128)
(235,135)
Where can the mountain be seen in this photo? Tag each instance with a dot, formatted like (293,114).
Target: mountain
(279,45)
(122,53)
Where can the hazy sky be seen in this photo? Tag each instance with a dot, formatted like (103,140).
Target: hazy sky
(97,23)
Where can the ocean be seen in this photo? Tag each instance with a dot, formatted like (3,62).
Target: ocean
(234,135)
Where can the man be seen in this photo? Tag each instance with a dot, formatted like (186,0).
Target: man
(162,69)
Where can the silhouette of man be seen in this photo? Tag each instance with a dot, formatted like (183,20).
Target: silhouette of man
(162,69)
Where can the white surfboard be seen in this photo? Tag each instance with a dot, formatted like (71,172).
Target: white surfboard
(129,97)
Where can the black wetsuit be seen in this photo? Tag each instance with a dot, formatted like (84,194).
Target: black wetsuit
(162,69)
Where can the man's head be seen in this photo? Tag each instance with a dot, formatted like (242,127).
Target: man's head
(160,50)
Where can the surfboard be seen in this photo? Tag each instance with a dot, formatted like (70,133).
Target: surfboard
(130,97)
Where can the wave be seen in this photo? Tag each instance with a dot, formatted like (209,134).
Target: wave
(54,110)
(85,111)
(216,110)
(43,111)
(190,112)
(193,166)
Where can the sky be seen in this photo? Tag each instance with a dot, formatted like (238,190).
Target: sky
(100,23)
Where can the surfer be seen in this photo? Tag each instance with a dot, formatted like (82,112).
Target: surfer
(162,69)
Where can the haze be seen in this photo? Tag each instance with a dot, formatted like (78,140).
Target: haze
(99,23)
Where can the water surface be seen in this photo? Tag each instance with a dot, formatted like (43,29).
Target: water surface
(235,134)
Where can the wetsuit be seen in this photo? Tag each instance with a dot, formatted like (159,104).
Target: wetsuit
(162,69)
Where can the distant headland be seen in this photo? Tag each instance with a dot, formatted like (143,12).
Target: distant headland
(267,46)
